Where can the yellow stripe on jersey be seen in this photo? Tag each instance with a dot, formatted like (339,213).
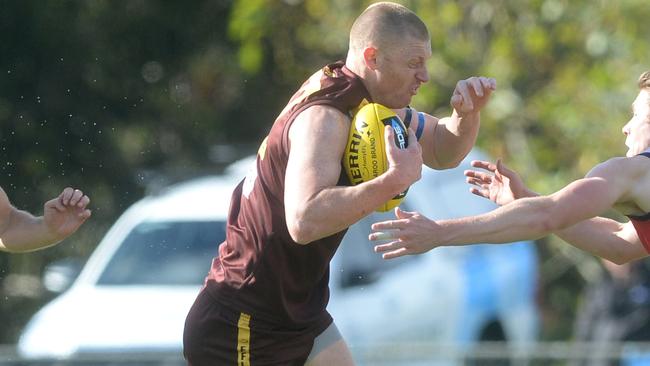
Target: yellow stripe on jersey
(244,340)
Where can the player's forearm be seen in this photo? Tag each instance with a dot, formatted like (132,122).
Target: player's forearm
(523,219)
(335,209)
(598,236)
(455,137)
(24,233)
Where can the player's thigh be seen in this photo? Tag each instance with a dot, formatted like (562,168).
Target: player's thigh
(330,349)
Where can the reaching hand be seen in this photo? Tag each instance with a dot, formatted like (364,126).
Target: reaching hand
(472,94)
(502,186)
(65,214)
(411,233)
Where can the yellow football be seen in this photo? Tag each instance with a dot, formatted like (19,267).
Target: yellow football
(365,153)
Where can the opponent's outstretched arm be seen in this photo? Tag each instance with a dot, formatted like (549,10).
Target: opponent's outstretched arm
(20,231)
(523,219)
(603,237)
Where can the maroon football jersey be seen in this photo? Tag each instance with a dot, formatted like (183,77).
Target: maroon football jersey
(260,270)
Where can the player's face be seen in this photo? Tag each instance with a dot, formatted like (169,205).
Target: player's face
(637,129)
(401,70)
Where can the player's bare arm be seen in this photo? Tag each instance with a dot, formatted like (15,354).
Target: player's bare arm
(523,219)
(315,207)
(62,216)
(451,138)
(603,237)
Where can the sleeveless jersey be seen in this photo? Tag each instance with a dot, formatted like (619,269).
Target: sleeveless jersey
(642,223)
(260,270)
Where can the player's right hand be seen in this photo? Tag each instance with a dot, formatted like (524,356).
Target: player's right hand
(404,164)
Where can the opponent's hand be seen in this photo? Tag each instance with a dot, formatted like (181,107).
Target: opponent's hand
(64,214)
(405,165)
(411,233)
(470,95)
(501,185)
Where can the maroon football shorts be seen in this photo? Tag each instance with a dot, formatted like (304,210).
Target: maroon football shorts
(217,335)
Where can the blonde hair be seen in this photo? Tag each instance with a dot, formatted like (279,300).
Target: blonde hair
(386,23)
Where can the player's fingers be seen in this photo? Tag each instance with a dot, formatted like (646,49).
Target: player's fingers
(456,100)
(383,235)
(388,224)
(66,195)
(503,169)
(401,214)
(478,175)
(85,215)
(477,86)
(414,144)
(463,89)
(55,204)
(477,182)
(83,202)
(396,253)
(488,83)
(76,197)
(480,192)
(393,245)
(484,165)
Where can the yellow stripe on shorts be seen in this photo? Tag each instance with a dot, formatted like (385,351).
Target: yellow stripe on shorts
(244,340)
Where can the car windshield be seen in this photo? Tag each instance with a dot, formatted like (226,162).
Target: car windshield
(165,253)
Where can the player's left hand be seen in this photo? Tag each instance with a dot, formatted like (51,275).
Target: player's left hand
(64,214)
(411,233)
(470,95)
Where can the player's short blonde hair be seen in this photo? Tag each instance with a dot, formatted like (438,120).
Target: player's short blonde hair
(644,81)
(386,23)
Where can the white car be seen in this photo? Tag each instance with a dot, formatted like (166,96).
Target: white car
(135,290)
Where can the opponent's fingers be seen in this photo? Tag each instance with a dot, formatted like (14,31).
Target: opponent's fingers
(388,224)
(503,169)
(401,214)
(55,204)
(477,182)
(393,245)
(76,197)
(66,195)
(396,253)
(478,175)
(483,165)
(83,202)
(383,235)
(480,192)
(85,214)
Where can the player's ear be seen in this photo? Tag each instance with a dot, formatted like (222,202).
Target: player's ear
(370,57)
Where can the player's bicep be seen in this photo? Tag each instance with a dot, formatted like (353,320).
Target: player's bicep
(633,249)
(583,199)
(318,137)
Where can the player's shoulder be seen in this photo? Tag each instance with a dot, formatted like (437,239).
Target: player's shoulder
(321,114)
(623,167)
(318,120)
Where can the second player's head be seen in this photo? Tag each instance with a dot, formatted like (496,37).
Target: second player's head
(389,47)
(637,129)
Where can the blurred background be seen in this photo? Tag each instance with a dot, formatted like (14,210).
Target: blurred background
(121,99)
